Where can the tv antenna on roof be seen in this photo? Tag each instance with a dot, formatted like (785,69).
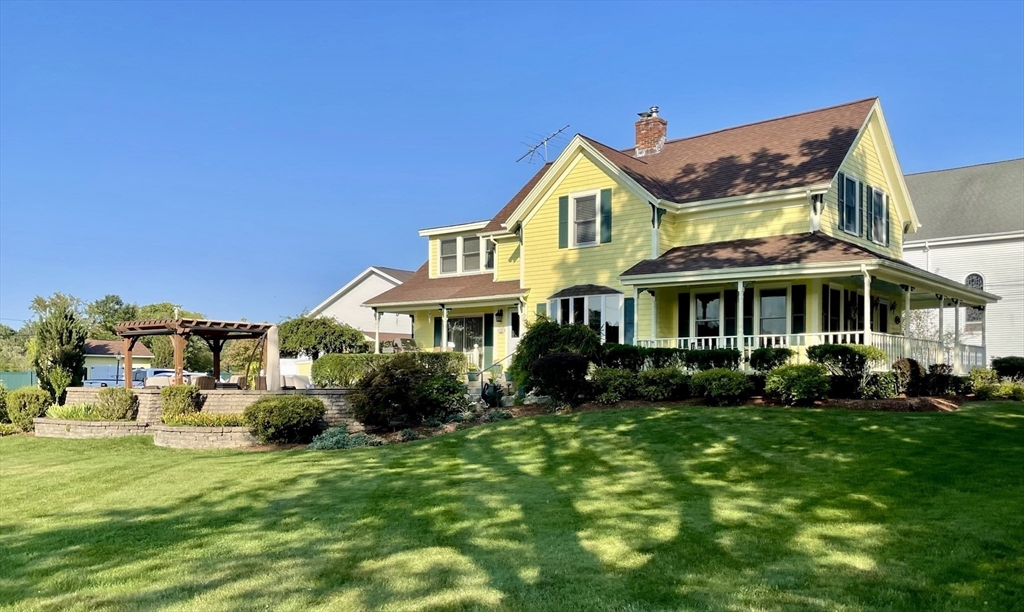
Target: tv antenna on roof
(543,144)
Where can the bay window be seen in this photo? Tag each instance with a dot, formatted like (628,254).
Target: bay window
(602,313)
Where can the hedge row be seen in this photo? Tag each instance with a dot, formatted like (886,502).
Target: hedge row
(345,370)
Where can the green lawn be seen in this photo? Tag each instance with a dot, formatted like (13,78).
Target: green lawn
(692,508)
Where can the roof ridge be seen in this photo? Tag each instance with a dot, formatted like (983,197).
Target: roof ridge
(753,123)
(991,163)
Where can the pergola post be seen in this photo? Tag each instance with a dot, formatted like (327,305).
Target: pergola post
(178,342)
(216,346)
(128,344)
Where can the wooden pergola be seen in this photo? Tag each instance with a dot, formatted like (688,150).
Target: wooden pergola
(214,333)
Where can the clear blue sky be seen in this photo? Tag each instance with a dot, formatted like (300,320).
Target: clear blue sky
(247,159)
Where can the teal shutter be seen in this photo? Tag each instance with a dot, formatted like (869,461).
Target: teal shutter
(863,212)
(628,308)
(842,200)
(563,222)
(798,309)
(606,215)
(437,332)
(488,340)
(683,323)
(869,206)
(542,309)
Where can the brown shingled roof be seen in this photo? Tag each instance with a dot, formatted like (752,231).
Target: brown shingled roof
(756,252)
(109,348)
(421,288)
(793,151)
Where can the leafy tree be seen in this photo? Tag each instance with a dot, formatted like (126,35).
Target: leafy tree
(198,357)
(319,336)
(106,313)
(13,353)
(59,340)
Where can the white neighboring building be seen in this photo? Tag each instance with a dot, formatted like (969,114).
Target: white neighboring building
(346,304)
(972,231)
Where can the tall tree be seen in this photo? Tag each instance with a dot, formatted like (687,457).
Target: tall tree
(59,340)
(198,357)
(13,354)
(319,336)
(106,313)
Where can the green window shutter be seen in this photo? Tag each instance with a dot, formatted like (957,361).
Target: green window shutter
(437,332)
(885,212)
(799,309)
(863,211)
(842,200)
(628,306)
(488,340)
(748,311)
(731,299)
(869,206)
(606,215)
(683,323)
(542,309)
(563,222)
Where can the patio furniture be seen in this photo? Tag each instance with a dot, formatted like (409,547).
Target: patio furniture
(206,383)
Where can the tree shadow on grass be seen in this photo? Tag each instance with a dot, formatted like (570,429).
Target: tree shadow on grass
(645,510)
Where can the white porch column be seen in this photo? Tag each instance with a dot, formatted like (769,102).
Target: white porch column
(739,320)
(654,314)
(376,331)
(905,321)
(957,367)
(942,327)
(867,307)
(984,339)
(444,329)
(636,316)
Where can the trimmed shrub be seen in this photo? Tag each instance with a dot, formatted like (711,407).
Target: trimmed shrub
(1013,389)
(839,359)
(178,400)
(25,404)
(764,360)
(117,404)
(403,390)
(408,435)
(609,398)
(1009,367)
(882,385)
(721,387)
(663,384)
(545,337)
(494,416)
(3,404)
(337,438)
(983,382)
(563,376)
(284,418)
(660,358)
(910,379)
(712,359)
(346,369)
(205,419)
(623,357)
(73,412)
(798,385)
(621,383)
(940,376)
(7,429)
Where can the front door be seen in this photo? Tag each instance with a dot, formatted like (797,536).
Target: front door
(513,330)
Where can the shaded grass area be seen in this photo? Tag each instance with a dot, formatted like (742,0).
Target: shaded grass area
(642,510)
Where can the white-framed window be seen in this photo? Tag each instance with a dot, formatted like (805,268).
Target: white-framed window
(851,205)
(975,281)
(707,314)
(773,311)
(462,255)
(470,254)
(879,217)
(603,313)
(584,217)
(449,256)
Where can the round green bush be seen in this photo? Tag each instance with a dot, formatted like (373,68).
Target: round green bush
(404,391)
(910,378)
(620,382)
(609,398)
(721,387)
(337,438)
(882,385)
(663,384)
(25,404)
(623,357)
(766,359)
(1009,367)
(563,376)
(798,385)
(179,400)
(545,337)
(117,404)
(285,419)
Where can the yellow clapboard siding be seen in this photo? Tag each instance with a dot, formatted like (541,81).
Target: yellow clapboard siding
(681,231)
(507,259)
(432,257)
(549,269)
(863,163)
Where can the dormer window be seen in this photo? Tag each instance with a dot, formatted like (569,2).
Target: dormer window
(489,254)
(470,254)
(462,255)
(584,218)
(450,256)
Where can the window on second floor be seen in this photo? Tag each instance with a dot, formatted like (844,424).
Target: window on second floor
(878,217)
(470,254)
(462,255)
(450,256)
(490,254)
(849,205)
(584,219)
(975,281)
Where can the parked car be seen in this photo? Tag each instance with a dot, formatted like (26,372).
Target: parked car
(113,376)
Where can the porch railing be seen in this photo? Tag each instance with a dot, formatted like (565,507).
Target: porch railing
(925,352)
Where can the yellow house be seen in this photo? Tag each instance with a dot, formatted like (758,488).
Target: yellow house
(786,232)
(111,353)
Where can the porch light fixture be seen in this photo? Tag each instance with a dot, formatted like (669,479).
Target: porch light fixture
(498,316)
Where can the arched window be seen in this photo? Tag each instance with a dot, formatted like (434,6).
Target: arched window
(975,281)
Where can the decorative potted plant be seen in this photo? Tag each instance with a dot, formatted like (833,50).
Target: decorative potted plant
(473,373)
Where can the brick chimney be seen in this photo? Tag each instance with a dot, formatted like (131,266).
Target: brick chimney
(650,133)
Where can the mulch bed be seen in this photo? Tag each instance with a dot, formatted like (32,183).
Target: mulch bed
(896,404)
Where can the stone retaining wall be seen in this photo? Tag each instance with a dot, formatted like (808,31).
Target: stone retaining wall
(229,401)
(78,430)
(202,437)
